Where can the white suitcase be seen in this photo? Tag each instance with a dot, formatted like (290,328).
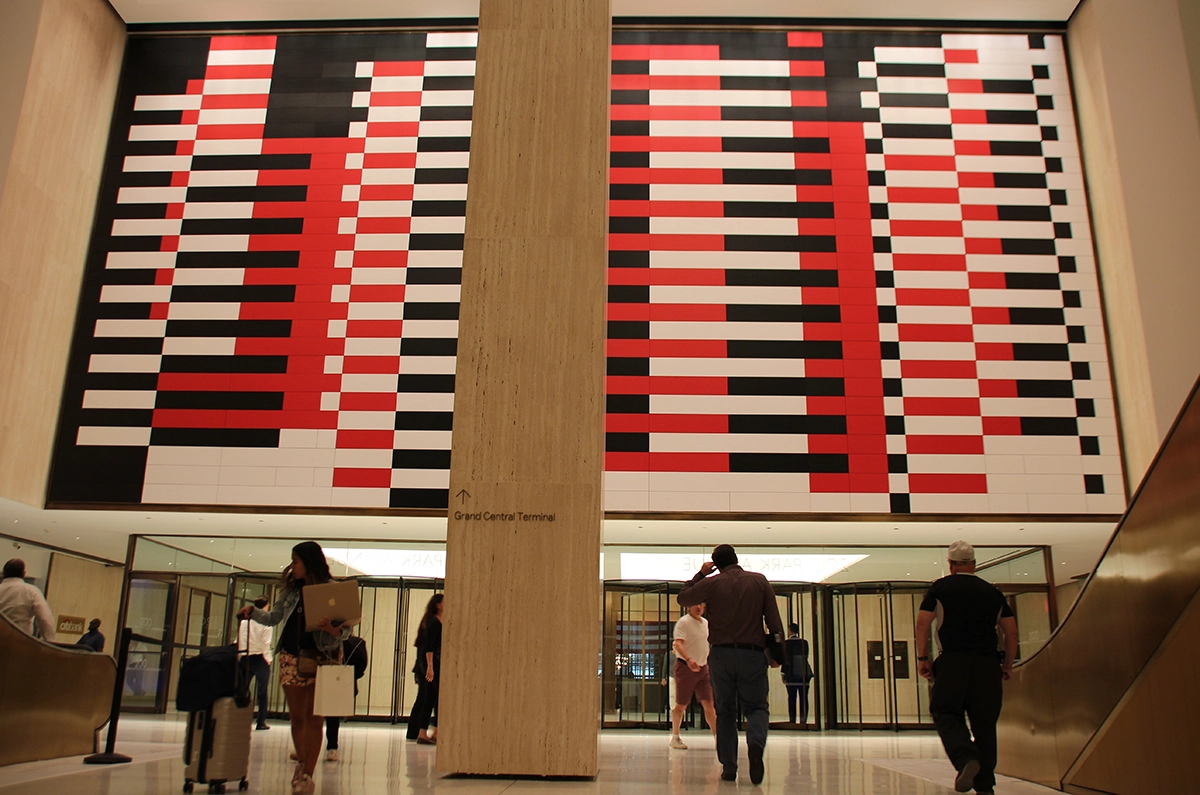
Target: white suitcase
(217,747)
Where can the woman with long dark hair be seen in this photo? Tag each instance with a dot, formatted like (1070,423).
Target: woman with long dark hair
(427,670)
(308,567)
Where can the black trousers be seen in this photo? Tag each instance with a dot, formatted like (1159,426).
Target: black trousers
(260,669)
(968,687)
(739,675)
(424,712)
(332,726)
(797,696)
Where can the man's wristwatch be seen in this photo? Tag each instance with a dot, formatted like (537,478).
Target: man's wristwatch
(922,659)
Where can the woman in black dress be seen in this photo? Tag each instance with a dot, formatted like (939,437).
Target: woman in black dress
(427,669)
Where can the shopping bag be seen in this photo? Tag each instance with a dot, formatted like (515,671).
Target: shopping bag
(335,691)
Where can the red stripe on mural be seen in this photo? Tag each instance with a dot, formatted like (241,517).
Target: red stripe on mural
(1001,426)
(666,52)
(688,462)
(398,68)
(362,478)
(947,483)
(924,368)
(234,101)
(242,43)
(666,82)
(941,407)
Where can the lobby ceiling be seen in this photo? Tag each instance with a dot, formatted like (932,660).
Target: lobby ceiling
(202,11)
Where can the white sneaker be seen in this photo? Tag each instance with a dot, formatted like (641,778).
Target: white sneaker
(304,785)
(678,743)
(331,755)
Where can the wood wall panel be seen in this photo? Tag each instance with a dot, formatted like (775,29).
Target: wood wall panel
(45,222)
(519,695)
(78,587)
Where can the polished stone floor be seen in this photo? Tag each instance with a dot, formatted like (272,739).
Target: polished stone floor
(376,760)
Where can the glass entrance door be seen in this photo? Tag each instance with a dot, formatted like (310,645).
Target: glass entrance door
(638,623)
(415,596)
(149,615)
(799,604)
(875,666)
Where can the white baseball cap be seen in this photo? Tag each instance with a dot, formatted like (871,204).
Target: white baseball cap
(962,552)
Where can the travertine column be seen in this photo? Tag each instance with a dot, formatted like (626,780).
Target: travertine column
(53,156)
(519,679)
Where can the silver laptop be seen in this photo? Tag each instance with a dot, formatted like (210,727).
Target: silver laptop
(337,600)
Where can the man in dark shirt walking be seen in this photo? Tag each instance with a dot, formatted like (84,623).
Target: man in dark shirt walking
(967,675)
(738,602)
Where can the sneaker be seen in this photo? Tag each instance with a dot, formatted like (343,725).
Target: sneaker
(304,785)
(331,755)
(298,772)
(262,727)
(728,773)
(965,781)
(678,743)
(756,763)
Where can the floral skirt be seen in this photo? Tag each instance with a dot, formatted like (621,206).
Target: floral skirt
(289,675)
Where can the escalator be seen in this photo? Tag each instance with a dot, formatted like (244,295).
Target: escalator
(1109,704)
(53,698)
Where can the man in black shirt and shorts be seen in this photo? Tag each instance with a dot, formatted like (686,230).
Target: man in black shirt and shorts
(967,675)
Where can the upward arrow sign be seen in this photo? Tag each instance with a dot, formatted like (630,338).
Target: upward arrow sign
(462,495)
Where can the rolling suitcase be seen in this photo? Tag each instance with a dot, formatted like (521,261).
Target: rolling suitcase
(216,749)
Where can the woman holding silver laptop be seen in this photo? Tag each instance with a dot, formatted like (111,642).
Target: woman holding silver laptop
(299,651)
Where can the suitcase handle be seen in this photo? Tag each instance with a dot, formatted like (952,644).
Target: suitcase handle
(241,672)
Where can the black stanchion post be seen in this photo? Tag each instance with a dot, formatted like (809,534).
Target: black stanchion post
(110,757)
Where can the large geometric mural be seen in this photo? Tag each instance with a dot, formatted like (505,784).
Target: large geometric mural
(849,272)
(852,271)
(270,313)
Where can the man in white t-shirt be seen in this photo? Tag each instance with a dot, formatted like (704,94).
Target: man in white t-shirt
(23,604)
(691,670)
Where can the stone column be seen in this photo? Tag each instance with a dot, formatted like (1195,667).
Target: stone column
(520,692)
